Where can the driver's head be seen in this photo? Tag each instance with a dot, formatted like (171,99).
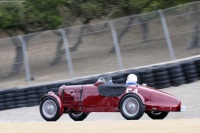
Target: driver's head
(131,79)
(101,80)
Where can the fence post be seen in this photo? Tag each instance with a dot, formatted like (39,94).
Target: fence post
(26,61)
(116,45)
(167,36)
(67,52)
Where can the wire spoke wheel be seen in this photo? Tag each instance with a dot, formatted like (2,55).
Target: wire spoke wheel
(49,108)
(132,107)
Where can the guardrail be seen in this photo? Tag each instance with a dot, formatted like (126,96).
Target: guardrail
(158,76)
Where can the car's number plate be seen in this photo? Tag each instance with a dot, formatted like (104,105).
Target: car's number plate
(183,108)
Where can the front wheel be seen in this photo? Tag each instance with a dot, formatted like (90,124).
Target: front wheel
(78,116)
(157,115)
(49,109)
(131,107)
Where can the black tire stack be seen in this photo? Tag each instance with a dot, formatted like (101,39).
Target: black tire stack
(12,98)
(23,97)
(159,77)
(176,74)
(197,63)
(147,77)
(118,77)
(189,71)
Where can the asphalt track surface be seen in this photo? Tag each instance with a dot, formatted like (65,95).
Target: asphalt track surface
(122,126)
(29,119)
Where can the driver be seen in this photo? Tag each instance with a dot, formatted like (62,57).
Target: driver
(101,80)
(131,79)
(104,80)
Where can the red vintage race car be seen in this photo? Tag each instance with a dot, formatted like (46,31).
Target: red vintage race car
(132,101)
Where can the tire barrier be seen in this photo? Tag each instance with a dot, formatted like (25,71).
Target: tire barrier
(160,76)
(190,71)
(176,74)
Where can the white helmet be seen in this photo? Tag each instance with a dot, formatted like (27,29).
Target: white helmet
(131,79)
(101,80)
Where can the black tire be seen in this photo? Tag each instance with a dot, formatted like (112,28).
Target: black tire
(162,78)
(174,71)
(174,80)
(11,107)
(136,101)
(21,102)
(193,71)
(36,96)
(178,83)
(9,99)
(187,68)
(43,91)
(159,69)
(10,103)
(147,76)
(121,80)
(1,100)
(19,94)
(9,95)
(77,116)
(153,84)
(176,75)
(31,104)
(54,114)
(163,86)
(191,80)
(20,98)
(187,63)
(157,115)
(163,82)
(191,76)
(33,101)
(173,66)
(198,65)
(30,92)
(149,80)
(2,107)
(21,105)
(159,74)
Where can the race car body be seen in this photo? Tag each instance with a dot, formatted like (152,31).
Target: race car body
(132,101)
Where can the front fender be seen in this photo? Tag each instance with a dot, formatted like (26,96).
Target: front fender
(135,91)
(52,94)
(138,94)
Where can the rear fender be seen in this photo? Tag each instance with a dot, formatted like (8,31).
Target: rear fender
(52,94)
(134,93)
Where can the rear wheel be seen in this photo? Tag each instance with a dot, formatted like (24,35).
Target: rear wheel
(78,116)
(131,107)
(157,115)
(49,109)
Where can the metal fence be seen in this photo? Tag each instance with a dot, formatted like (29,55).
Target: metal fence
(84,50)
